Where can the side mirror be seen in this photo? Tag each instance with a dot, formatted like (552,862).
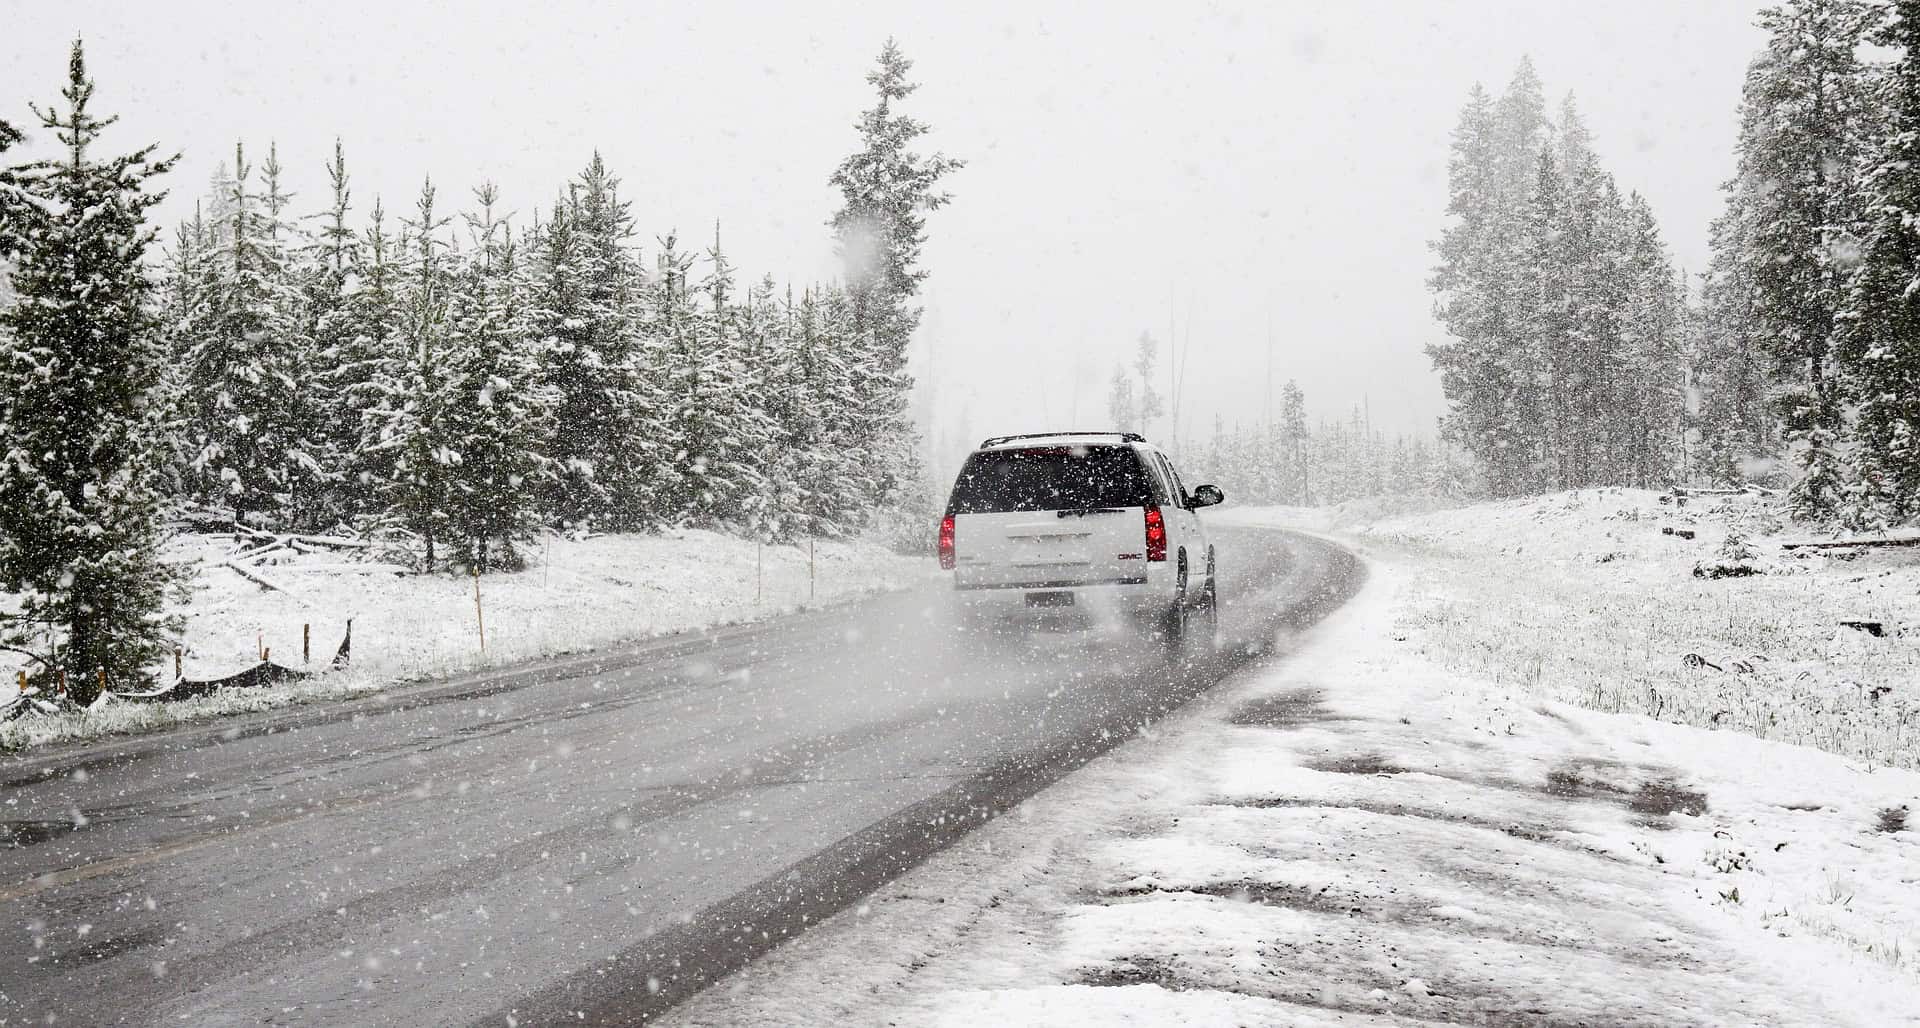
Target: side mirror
(1207,496)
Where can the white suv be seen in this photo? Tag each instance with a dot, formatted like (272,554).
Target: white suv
(1082,527)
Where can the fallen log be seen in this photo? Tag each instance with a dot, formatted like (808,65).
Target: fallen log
(332,542)
(368,568)
(257,551)
(257,578)
(329,541)
(1846,544)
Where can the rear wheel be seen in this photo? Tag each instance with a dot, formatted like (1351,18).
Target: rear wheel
(1176,623)
(1206,620)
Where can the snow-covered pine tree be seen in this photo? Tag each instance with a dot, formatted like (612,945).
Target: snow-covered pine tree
(8,137)
(1542,360)
(183,274)
(1880,340)
(1649,407)
(1729,364)
(559,317)
(413,393)
(80,357)
(329,276)
(10,201)
(253,448)
(1123,408)
(767,382)
(309,460)
(711,421)
(886,190)
(374,347)
(876,417)
(495,412)
(835,484)
(675,477)
(1146,353)
(220,189)
(1589,381)
(732,458)
(1808,115)
(1296,488)
(624,446)
(586,306)
(1492,174)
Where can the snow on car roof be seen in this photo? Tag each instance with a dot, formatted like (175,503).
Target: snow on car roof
(1017,442)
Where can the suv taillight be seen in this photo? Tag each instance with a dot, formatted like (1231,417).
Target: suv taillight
(946,543)
(1156,535)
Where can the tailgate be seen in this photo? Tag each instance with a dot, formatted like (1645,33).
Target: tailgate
(1050,549)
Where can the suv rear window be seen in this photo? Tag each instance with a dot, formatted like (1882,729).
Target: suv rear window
(1050,478)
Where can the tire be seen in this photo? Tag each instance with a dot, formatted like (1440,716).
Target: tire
(1175,623)
(1207,623)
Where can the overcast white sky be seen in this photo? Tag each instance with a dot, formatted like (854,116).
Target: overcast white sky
(1233,161)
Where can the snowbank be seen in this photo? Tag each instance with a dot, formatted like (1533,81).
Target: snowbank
(578,595)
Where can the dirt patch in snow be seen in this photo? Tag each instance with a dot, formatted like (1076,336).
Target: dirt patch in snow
(1514,829)
(1293,709)
(1362,764)
(1656,794)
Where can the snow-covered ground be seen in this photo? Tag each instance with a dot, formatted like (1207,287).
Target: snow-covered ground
(578,595)
(1383,828)
(1585,597)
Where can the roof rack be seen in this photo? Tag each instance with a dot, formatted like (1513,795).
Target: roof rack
(1132,437)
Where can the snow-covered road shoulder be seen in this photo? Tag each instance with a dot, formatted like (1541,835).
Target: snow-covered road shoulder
(1357,836)
(578,596)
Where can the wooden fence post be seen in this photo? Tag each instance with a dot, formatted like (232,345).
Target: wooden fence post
(103,681)
(177,659)
(306,644)
(479,615)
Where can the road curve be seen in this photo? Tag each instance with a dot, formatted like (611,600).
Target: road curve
(588,840)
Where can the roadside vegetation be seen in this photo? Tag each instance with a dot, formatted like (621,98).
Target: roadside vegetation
(1596,597)
(438,378)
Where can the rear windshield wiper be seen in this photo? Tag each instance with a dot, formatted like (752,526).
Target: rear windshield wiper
(1081,512)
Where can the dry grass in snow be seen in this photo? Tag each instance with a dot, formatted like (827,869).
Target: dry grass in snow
(1582,597)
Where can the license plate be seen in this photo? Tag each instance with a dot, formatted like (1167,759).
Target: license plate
(1049,599)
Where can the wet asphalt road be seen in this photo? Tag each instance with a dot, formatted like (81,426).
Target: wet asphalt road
(587,841)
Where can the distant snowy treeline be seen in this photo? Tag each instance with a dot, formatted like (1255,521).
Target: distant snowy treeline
(1331,463)
(1573,356)
(1294,462)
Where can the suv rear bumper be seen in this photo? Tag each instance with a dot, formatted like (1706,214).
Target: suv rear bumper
(1024,586)
(1052,601)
